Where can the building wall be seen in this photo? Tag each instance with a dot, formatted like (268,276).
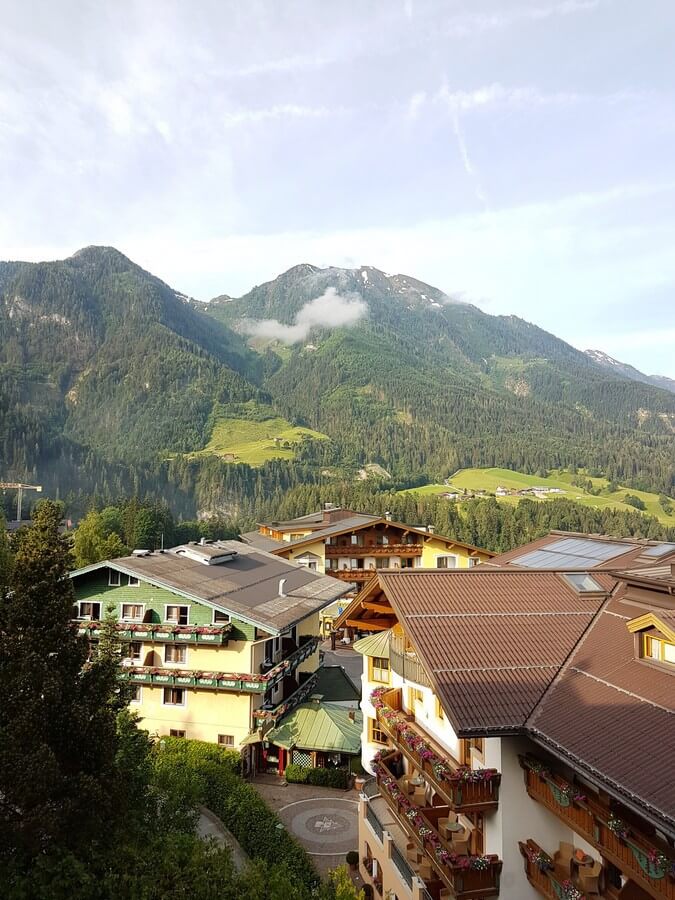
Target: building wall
(380,851)
(317,548)
(433,548)
(235,657)
(206,714)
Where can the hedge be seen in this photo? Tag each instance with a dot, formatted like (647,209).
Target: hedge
(334,778)
(241,809)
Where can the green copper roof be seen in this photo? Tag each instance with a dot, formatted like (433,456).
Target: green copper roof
(319,726)
(374,645)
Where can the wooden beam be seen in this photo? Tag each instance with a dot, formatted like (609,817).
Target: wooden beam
(371,624)
(377,607)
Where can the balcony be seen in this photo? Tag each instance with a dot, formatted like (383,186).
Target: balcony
(643,859)
(545,877)
(404,661)
(360,575)
(267,718)
(155,632)
(467,876)
(463,789)
(220,681)
(354,551)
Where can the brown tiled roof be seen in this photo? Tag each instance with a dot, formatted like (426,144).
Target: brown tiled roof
(615,714)
(490,640)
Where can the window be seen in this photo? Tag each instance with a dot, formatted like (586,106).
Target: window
(220,618)
(176,732)
(133,581)
(381,562)
(376,735)
(135,650)
(132,612)
(379,669)
(174,696)
(176,654)
(446,562)
(136,693)
(177,615)
(439,710)
(658,649)
(415,695)
(473,562)
(88,610)
(113,578)
(226,740)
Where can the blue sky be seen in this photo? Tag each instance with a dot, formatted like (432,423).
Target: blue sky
(519,153)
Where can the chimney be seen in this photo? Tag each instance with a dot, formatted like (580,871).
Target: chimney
(327,517)
(202,542)
(282,583)
(430,529)
(387,516)
(351,715)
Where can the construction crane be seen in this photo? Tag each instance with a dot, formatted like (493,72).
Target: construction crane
(20,488)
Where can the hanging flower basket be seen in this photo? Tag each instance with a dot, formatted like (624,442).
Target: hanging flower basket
(618,827)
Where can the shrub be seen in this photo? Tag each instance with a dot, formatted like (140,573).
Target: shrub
(352,858)
(242,810)
(632,500)
(334,778)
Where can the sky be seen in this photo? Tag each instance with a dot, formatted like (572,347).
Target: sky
(519,154)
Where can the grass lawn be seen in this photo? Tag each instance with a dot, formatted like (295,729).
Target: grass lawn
(254,442)
(489,479)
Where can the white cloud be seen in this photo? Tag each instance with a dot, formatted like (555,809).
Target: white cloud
(280,111)
(330,310)
(476,23)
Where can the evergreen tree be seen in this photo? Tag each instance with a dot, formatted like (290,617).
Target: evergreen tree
(59,785)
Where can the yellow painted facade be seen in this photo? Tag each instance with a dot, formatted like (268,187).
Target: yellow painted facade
(205,714)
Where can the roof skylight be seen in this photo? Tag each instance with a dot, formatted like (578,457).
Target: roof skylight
(583,583)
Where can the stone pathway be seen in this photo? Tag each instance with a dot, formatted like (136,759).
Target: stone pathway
(325,821)
(210,826)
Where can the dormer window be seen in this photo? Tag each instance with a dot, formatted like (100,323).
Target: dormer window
(658,649)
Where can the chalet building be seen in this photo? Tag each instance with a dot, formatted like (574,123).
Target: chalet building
(221,639)
(519,719)
(354,546)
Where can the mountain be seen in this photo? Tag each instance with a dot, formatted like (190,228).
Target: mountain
(425,383)
(112,382)
(100,359)
(626,371)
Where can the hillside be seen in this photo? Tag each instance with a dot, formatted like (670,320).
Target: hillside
(422,383)
(101,362)
(603,496)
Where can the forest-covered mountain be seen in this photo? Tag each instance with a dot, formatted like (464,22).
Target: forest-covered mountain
(109,379)
(422,383)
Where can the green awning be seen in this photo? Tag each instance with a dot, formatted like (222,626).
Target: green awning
(319,726)
(376,644)
(252,738)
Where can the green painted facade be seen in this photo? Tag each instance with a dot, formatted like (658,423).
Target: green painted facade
(94,586)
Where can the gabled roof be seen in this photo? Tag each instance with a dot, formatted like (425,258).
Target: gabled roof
(260,541)
(313,726)
(490,640)
(359,521)
(249,587)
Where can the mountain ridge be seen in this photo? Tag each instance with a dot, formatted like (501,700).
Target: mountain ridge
(625,370)
(103,361)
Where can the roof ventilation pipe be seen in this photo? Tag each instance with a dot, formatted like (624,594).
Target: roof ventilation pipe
(282,583)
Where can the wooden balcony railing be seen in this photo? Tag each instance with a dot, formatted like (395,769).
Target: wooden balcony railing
(462,788)
(352,574)
(466,876)
(645,860)
(160,633)
(541,874)
(405,663)
(358,550)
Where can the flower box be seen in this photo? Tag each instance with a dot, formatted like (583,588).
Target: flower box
(163,635)
(209,638)
(140,676)
(185,679)
(253,685)
(228,683)
(142,635)
(206,682)
(163,679)
(183,636)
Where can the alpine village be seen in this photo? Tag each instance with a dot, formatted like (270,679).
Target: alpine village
(337,450)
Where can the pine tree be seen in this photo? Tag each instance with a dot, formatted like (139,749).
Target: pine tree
(59,786)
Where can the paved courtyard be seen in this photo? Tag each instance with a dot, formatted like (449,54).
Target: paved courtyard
(325,821)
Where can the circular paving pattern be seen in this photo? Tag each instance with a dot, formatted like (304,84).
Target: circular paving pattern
(325,826)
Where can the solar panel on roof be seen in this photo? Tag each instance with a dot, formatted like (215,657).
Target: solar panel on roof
(659,550)
(573,553)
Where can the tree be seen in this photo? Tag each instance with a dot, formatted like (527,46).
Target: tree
(5,554)
(93,542)
(59,785)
